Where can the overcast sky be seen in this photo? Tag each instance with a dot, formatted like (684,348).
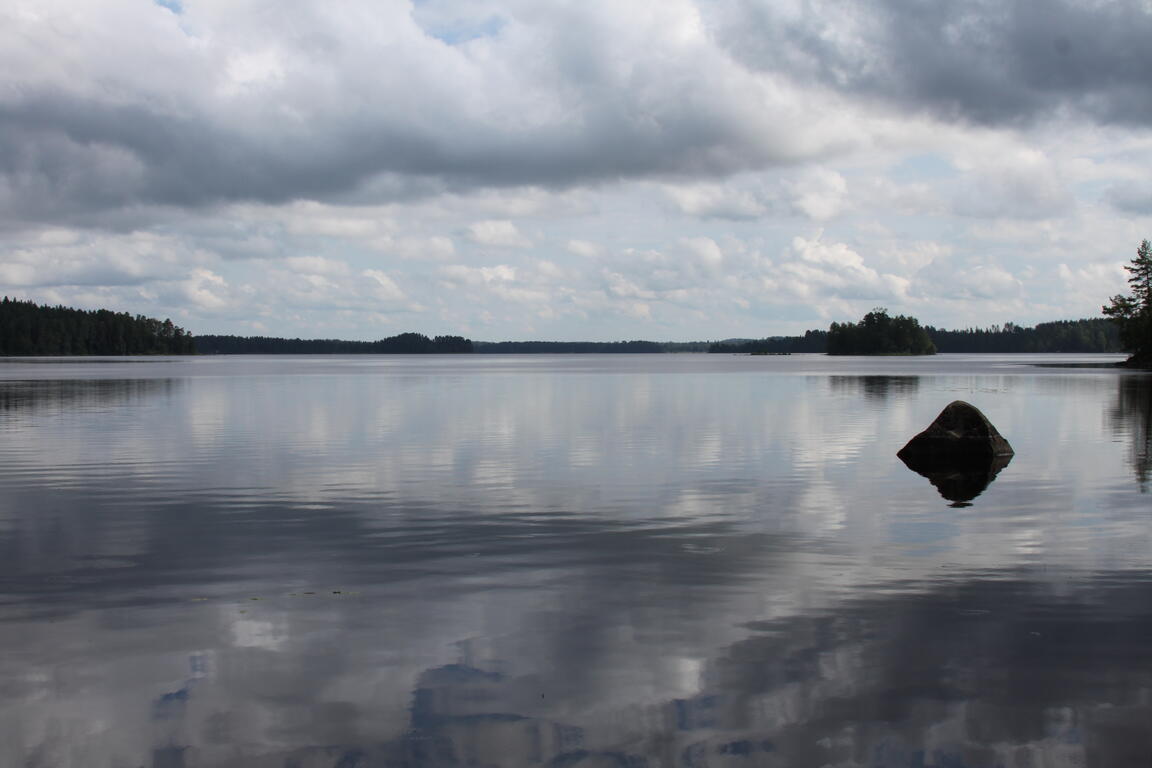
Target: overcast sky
(594,169)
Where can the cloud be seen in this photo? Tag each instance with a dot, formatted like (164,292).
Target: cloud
(819,194)
(382,287)
(716,200)
(582,248)
(985,282)
(834,270)
(137,105)
(430,248)
(992,62)
(502,234)
(60,257)
(1131,197)
(1020,183)
(316,265)
(583,170)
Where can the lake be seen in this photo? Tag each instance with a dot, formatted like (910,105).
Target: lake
(586,560)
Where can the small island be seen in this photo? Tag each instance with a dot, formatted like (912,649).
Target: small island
(880,334)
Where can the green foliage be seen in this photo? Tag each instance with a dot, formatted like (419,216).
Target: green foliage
(879,334)
(27,328)
(1133,314)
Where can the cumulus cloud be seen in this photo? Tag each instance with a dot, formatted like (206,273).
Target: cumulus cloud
(382,287)
(621,167)
(819,193)
(502,234)
(224,101)
(721,200)
(61,257)
(833,269)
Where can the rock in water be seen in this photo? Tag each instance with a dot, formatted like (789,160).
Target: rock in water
(960,437)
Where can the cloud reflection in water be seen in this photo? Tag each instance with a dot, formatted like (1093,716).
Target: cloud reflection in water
(629,566)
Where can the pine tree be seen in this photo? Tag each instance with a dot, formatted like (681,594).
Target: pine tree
(1134,313)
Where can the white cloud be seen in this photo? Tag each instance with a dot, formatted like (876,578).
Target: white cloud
(498,233)
(420,248)
(382,287)
(582,248)
(316,265)
(718,200)
(819,193)
(581,170)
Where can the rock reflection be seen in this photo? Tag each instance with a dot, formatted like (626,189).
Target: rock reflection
(1132,415)
(876,387)
(961,485)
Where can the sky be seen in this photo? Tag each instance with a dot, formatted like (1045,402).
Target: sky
(585,170)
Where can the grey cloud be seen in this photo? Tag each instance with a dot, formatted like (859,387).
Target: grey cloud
(587,95)
(1130,197)
(549,105)
(989,62)
(68,156)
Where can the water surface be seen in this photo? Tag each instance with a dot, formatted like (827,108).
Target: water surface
(652,560)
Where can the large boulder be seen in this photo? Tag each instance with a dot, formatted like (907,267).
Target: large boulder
(960,438)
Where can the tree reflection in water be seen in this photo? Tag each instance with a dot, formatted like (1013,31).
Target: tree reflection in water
(1132,418)
(875,387)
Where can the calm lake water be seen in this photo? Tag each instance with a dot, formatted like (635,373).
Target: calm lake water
(663,560)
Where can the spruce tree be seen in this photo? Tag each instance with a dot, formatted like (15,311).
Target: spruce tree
(1134,313)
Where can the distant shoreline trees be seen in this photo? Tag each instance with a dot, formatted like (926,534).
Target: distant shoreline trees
(811,341)
(1133,314)
(880,334)
(1087,335)
(403,344)
(31,329)
(569,347)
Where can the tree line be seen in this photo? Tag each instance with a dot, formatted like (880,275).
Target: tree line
(403,344)
(811,341)
(1087,335)
(27,328)
(567,347)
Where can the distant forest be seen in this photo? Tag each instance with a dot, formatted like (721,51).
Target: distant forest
(27,328)
(566,347)
(812,341)
(1090,335)
(404,344)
